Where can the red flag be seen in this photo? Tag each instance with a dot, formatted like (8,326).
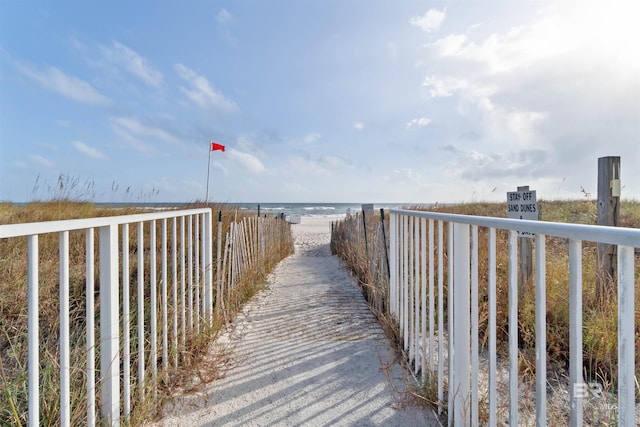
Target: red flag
(215,146)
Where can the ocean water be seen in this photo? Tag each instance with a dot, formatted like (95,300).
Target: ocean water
(331,210)
(327,210)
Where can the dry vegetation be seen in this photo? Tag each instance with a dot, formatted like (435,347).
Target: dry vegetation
(599,311)
(13,313)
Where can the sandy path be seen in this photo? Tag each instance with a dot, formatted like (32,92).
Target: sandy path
(306,351)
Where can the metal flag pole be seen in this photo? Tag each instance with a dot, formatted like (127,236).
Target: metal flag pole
(213,146)
(208,171)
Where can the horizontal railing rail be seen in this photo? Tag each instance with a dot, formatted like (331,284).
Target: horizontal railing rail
(416,280)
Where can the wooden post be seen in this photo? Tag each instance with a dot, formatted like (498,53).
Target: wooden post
(526,259)
(609,215)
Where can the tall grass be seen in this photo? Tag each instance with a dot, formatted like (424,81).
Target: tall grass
(13,313)
(599,311)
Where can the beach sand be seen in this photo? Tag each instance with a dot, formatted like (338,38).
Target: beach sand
(305,351)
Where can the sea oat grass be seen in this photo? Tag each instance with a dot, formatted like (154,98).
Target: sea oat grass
(192,355)
(599,311)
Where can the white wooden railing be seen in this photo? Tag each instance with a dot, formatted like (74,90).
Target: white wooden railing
(415,283)
(191,230)
(172,253)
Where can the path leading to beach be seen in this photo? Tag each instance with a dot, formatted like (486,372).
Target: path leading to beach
(306,351)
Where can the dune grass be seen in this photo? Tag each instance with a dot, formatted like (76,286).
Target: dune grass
(599,311)
(13,313)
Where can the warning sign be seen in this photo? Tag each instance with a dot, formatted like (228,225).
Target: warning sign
(522,205)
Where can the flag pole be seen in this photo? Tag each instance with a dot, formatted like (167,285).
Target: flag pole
(208,171)
(213,146)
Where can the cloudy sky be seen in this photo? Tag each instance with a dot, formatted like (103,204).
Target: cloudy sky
(317,101)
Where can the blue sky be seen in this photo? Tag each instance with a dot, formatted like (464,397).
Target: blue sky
(317,101)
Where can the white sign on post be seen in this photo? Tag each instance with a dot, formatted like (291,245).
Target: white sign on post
(522,205)
(367,208)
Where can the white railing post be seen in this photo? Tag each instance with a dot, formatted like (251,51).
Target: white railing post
(440,316)
(190,272)
(423,301)
(140,315)
(461,324)
(126,357)
(153,306)
(200,287)
(541,332)
(65,368)
(392,265)
(431,298)
(109,325)
(450,322)
(182,286)
(164,297)
(174,288)
(416,295)
(219,292)
(626,337)
(576,382)
(513,328)
(411,294)
(91,337)
(474,326)
(33,332)
(493,398)
(208,262)
(405,281)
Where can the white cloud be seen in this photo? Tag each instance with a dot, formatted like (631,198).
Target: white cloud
(133,62)
(431,20)
(42,161)
(392,50)
(134,127)
(68,86)
(418,121)
(248,161)
(560,73)
(405,177)
(132,141)
(88,151)
(223,16)
(443,86)
(558,32)
(358,125)
(325,165)
(201,93)
(141,137)
(311,138)
(47,146)
(224,19)
(452,45)
(474,165)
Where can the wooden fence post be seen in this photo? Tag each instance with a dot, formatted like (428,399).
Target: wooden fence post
(608,214)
